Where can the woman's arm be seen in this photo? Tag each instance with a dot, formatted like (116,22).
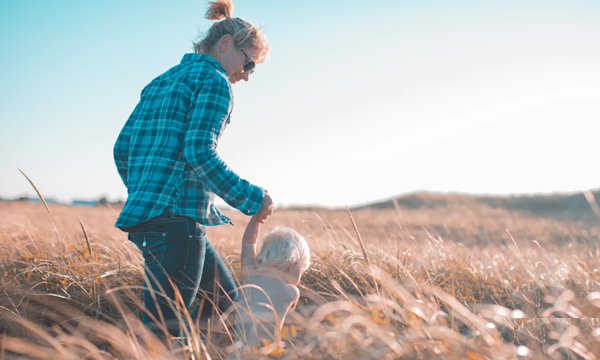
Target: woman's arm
(206,120)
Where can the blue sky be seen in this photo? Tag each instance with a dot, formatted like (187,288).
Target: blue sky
(356,103)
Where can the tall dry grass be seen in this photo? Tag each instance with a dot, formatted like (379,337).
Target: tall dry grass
(458,282)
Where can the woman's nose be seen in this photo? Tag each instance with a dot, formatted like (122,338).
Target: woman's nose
(245,76)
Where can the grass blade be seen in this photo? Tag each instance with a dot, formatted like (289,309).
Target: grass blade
(362,244)
(591,199)
(87,240)
(364,250)
(36,190)
(45,205)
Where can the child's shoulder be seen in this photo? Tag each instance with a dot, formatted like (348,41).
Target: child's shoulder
(292,291)
(293,295)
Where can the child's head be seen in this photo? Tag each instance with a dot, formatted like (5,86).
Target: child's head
(285,250)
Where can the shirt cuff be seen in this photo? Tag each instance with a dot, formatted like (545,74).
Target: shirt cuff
(255,199)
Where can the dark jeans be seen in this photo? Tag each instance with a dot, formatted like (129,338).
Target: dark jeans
(175,247)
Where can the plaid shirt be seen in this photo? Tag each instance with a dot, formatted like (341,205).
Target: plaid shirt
(166,152)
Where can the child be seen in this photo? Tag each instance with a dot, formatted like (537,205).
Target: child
(269,279)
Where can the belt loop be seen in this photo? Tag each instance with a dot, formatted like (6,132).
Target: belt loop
(191,225)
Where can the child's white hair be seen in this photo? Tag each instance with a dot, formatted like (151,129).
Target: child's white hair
(281,248)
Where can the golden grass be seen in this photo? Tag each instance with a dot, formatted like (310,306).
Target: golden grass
(443,283)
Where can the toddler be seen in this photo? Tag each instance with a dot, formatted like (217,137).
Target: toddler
(269,279)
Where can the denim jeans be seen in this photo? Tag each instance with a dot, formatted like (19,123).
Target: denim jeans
(175,247)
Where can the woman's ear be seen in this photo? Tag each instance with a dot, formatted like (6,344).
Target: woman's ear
(225,43)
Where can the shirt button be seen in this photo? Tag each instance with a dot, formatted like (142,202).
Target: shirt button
(176,194)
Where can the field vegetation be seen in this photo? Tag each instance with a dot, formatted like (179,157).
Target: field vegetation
(436,277)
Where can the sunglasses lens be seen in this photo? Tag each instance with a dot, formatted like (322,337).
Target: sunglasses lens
(249,66)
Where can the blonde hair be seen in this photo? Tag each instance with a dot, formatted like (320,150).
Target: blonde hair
(281,248)
(245,35)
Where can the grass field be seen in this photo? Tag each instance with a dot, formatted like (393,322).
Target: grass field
(460,281)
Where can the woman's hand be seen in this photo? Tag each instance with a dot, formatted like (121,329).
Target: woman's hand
(266,209)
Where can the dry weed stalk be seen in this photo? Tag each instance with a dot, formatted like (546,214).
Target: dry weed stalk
(58,241)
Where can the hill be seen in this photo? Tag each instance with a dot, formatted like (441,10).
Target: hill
(573,206)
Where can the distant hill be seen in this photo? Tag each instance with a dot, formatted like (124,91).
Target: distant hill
(569,205)
(76,202)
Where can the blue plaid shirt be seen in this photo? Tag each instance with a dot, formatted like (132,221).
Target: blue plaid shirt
(166,153)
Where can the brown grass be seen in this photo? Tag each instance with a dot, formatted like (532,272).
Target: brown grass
(447,283)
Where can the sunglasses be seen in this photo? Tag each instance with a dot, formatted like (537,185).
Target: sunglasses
(249,65)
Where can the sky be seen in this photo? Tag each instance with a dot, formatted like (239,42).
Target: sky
(358,102)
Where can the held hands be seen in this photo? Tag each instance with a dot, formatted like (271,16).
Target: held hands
(266,209)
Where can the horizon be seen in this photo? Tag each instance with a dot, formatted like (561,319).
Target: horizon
(474,98)
(224,206)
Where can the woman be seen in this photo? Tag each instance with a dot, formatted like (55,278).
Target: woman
(166,156)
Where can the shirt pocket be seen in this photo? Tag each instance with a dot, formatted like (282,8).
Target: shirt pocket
(152,244)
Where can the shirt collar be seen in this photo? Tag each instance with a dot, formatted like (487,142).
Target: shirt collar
(200,57)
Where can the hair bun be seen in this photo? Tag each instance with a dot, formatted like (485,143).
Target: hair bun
(219,9)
